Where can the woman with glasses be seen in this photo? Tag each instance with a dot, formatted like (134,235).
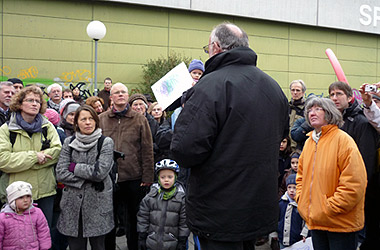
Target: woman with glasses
(30,147)
(331,180)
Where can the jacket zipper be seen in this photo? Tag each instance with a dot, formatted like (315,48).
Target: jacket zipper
(312,178)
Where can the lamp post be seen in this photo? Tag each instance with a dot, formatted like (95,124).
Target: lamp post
(96,30)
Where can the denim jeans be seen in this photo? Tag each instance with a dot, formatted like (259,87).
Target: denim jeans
(324,240)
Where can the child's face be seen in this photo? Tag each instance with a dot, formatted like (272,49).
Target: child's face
(291,188)
(196,74)
(167,178)
(23,203)
(283,144)
(294,164)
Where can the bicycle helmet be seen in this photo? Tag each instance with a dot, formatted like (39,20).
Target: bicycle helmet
(167,164)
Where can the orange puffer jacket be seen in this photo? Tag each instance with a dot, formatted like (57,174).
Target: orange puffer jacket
(331,182)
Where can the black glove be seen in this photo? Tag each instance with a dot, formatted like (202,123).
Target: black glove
(142,241)
(181,243)
(99,186)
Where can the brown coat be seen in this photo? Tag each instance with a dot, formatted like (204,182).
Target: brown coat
(132,136)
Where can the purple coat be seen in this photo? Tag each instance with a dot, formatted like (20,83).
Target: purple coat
(24,231)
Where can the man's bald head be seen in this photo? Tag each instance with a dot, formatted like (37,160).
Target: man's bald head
(229,36)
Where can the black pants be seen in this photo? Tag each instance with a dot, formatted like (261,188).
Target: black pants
(324,240)
(207,244)
(130,194)
(80,243)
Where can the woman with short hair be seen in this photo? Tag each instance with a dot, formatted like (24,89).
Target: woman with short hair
(331,180)
(83,167)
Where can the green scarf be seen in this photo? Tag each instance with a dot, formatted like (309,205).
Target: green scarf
(167,194)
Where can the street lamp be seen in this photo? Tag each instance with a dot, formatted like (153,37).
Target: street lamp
(96,30)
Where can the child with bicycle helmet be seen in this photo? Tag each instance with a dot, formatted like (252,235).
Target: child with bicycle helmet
(161,218)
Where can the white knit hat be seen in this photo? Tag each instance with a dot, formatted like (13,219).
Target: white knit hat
(16,190)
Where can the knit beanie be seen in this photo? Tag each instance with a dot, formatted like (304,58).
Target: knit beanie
(291,179)
(295,155)
(16,190)
(137,96)
(71,106)
(52,116)
(15,80)
(196,64)
(63,103)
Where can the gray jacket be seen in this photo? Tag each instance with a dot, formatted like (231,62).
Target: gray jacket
(163,220)
(79,195)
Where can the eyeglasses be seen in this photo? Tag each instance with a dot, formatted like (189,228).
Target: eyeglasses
(32,101)
(119,92)
(316,110)
(205,48)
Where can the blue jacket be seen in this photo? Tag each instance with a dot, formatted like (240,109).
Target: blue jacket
(291,227)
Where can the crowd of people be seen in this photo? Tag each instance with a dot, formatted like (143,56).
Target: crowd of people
(309,169)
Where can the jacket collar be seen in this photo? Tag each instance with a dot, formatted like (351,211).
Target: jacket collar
(352,110)
(325,129)
(240,55)
(129,113)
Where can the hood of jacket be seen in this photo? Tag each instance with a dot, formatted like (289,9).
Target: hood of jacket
(7,209)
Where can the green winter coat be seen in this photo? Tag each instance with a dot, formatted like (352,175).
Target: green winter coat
(20,162)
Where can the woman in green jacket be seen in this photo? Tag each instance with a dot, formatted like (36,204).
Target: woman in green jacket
(30,148)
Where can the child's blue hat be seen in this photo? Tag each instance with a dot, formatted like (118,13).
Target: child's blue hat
(291,179)
(196,64)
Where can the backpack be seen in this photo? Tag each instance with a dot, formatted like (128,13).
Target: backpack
(116,155)
(45,143)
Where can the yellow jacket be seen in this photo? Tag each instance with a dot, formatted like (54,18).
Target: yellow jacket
(331,182)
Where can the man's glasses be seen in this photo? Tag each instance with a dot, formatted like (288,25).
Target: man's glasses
(205,48)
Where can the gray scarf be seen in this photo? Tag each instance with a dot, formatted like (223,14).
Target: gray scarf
(83,143)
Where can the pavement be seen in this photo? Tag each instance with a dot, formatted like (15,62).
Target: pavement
(121,244)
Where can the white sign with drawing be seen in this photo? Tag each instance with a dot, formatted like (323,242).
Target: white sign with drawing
(307,245)
(170,87)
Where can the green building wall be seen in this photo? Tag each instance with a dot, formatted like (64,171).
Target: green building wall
(45,41)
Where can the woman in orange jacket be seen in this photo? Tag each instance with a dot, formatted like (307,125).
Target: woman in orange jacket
(331,180)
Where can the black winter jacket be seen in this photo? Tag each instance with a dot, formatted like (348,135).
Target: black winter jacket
(229,134)
(365,136)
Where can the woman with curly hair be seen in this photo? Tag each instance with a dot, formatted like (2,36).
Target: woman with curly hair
(30,147)
(96,103)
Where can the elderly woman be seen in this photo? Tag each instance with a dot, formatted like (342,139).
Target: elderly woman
(331,180)
(83,167)
(30,148)
(156,111)
(96,103)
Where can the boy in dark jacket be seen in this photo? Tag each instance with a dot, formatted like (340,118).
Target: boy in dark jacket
(161,219)
(291,227)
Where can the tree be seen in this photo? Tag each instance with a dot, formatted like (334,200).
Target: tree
(155,69)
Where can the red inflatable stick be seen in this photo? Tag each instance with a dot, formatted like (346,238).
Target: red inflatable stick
(336,66)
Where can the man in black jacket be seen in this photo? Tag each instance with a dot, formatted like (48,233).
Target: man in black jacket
(229,134)
(365,136)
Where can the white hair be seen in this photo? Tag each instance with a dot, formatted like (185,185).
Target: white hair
(54,85)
